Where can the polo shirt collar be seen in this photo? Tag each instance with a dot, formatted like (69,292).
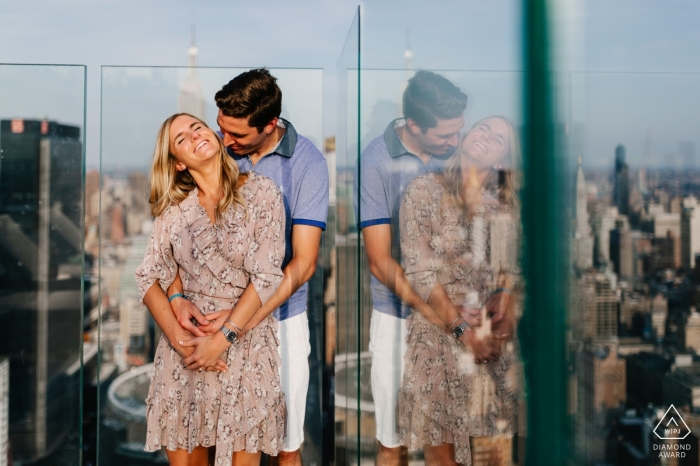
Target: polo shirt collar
(393,143)
(288,142)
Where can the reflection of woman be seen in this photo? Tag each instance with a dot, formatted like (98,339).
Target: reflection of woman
(459,397)
(224,234)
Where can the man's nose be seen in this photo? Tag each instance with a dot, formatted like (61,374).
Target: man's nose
(453,140)
(228,140)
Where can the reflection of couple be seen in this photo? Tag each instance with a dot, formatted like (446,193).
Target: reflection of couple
(449,366)
(235,239)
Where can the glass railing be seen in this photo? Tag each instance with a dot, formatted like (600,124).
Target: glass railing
(45,272)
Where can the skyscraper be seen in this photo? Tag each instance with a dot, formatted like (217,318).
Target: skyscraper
(40,280)
(622,181)
(583,241)
(191,98)
(690,233)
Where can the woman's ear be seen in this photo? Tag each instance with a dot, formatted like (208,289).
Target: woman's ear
(179,166)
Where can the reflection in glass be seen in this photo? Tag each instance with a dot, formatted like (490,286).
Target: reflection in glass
(459,240)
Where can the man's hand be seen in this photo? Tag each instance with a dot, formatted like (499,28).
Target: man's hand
(185,311)
(216,321)
(207,351)
(484,350)
(503,322)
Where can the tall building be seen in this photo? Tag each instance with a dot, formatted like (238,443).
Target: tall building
(583,240)
(191,98)
(601,390)
(622,250)
(600,307)
(642,181)
(605,225)
(690,233)
(665,222)
(41,214)
(622,181)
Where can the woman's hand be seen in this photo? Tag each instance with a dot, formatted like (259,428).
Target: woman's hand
(471,315)
(185,311)
(216,321)
(483,349)
(207,351)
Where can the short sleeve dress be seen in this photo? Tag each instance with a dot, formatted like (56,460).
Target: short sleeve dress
(445,397)
(244,408)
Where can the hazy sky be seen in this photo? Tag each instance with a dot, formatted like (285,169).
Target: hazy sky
(469,35)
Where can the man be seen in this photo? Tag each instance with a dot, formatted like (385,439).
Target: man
(260,141)
(419,143)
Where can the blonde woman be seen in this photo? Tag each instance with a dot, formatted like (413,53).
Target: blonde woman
(461,386)
(223,233)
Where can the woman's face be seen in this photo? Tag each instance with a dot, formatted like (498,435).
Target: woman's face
(192,143)
(487,143)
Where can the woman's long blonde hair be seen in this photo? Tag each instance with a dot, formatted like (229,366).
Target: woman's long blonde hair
(170,186)
(508,186)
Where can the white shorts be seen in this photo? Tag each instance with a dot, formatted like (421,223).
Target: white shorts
(294,350)
(387,347)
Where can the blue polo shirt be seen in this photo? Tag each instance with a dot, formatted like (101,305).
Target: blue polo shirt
(387,168)
(301,173)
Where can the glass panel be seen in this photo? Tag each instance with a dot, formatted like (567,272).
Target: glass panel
(349,285)
(439,214)
(43,282)
(135,102)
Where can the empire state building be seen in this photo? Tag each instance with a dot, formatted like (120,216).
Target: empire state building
(191,98)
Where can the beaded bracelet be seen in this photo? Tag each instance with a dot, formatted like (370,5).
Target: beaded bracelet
(502,290)
(177,295)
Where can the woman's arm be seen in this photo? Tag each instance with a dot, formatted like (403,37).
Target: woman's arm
(156,272)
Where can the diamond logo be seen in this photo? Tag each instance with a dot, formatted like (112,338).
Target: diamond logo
(671,426)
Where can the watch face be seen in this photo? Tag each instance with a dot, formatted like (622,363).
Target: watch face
(231,337)
(458,331)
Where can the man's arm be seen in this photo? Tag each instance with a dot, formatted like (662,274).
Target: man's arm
(306,241)
(389,272)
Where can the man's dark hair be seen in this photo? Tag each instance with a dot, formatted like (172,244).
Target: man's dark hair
(254,95)
(430,97)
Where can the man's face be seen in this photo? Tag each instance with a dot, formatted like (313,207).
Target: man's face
(239,136)
(440,140)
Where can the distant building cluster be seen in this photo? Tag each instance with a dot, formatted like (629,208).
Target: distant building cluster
(634,329)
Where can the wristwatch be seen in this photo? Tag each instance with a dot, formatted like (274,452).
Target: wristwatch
(458,330)
(230,335)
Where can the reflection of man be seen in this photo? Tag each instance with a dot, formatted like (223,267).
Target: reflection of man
(260,141)
(433,110)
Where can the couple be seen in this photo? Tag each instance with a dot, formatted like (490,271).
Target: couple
(438,213)
(234,242)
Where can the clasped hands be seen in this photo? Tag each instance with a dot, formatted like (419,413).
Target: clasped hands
(486,341)
(199,340)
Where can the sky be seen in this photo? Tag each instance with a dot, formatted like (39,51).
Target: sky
(479,40)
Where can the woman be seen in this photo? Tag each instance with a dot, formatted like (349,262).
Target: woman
(224,235)
(461,388)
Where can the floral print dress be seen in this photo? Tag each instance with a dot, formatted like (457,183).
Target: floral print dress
(244,408)
(445,396)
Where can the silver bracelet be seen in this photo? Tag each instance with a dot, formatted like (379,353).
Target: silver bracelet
(238,329)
